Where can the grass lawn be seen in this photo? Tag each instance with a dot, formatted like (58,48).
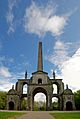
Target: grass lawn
(6,115)
(66,115)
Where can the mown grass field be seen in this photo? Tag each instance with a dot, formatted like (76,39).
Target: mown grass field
(6,115)
(66,115)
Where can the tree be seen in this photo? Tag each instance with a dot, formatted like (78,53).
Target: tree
(39,106)
(24,104)
(77,99)
(3,96)
(55,105)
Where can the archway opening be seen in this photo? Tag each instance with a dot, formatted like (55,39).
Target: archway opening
(55,88)
(40,102)
(25,86)
(40,95)
(39,81)
(55,103)
(11,105)
(24,104)
(69,106)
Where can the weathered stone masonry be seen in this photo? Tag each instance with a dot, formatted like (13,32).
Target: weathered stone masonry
(40,82)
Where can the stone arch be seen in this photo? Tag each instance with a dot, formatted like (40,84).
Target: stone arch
(57,86)
(40,90)
(39,82)
(69,106)
(11,105)
(40,102)
(55,103)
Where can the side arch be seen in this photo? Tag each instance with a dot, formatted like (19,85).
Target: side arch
(56,103)
(69,106)
(11,105)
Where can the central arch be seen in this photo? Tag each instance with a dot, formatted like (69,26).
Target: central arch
(39,90)
(40,102)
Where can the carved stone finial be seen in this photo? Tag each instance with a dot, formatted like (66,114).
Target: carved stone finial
(12,86)
(26,75)
(53,74)
(66,86)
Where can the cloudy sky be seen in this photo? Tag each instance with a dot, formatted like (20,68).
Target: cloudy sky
(23,23)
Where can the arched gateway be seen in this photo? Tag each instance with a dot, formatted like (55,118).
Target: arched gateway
(40,90)
(40,83)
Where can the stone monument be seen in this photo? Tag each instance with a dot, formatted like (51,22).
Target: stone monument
(40,82)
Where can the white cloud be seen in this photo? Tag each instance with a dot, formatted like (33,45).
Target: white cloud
(60,53)
(8,78)
(10,15)
(5,85)
(40,20)
(4,71)
(67,63)
(71,71)
(40,97)
(5,79)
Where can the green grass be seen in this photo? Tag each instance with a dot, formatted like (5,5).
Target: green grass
(6,115)
(66,115)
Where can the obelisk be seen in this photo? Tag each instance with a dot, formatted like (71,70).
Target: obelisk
(40,59)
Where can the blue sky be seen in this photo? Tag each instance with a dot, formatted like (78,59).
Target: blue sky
(24,23)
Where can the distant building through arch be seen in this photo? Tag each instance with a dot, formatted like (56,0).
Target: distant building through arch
(40,82)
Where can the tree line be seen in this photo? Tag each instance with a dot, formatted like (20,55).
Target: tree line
(3,98)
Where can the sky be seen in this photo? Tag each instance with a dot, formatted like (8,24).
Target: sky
(23,23)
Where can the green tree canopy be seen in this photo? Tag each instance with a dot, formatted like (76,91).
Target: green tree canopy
(3,96)
(77,99)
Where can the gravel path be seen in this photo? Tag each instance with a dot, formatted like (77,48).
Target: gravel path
(36,115)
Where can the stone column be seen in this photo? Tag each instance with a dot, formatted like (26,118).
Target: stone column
(60,103)
(49,102)
(28,101)
(31,103)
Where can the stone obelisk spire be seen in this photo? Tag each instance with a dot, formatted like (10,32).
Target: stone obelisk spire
(40,60)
